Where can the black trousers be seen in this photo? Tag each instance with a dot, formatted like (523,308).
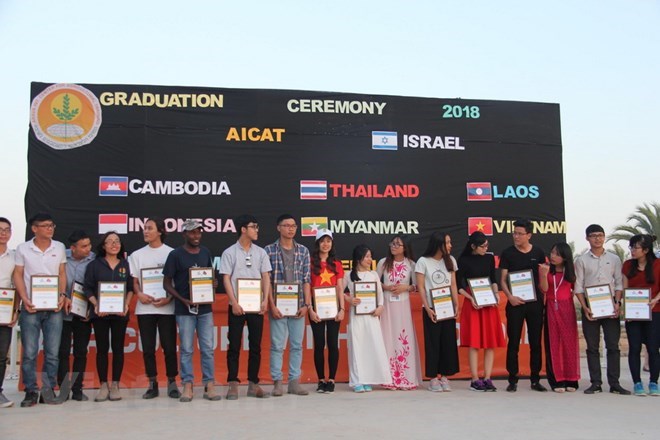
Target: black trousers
(440,348)
(151,326)
(255,325)
(612,333)
(647,333)
(326,333)
(79,332)
(530,313)
(5,342)
(103,329)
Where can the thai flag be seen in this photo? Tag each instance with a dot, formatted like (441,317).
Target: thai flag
(313,190)
(113,222)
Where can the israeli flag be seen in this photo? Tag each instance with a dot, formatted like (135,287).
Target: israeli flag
(384,140)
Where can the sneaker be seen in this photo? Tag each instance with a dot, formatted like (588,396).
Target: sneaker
(444,383)
(359,389)
(31,399)
(329,387)
(435,385)
(488,384)
(4,402)
(618,389)
(653,389)
(638,389)
(368,388)
(48,396)
(477,385)
(322,387)
(593,389)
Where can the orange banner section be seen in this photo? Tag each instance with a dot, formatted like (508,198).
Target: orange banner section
(134,377)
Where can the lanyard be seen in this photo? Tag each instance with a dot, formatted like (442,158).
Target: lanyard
(556,286)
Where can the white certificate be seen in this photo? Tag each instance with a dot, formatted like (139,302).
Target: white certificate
(201,285)
(637,307)
(522,285)
(7,298)
(249,295)
(45,292)
(600,301)
(442,303)
(482,291)
(111,297)
(151,280)
(79,303)
(325,302)
(368,295)
(286,298)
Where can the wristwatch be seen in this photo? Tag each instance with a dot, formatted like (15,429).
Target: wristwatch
(309,306)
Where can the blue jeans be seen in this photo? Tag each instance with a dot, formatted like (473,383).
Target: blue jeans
(280,330)
(32,324)
(204,326)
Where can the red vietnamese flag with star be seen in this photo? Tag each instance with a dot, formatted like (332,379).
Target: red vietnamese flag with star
(481,224)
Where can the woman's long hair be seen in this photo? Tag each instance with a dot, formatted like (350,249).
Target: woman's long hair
(437,242)
(316,258)
(389,258)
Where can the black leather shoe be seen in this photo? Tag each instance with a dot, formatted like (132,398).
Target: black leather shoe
(79,396)
(536,386)
(152,391)
(593,389)
(512,388)
(31,399)
(618,389)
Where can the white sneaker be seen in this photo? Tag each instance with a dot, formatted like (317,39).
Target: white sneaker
(444,383)
(435,385)
(4,402)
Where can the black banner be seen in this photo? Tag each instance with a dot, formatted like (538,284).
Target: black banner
(106,157)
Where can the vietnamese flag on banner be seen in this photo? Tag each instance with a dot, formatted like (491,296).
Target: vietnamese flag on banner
(481,224)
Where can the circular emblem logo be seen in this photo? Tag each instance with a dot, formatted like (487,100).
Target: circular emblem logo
(65,116)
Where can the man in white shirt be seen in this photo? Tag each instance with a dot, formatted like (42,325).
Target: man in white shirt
(40,256)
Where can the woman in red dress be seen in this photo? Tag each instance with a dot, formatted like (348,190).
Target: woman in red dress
(562,353)
(481,327)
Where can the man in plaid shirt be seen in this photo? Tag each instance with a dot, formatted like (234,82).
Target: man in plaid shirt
(290,262)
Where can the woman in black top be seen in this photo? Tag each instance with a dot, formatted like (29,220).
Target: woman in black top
(109,265)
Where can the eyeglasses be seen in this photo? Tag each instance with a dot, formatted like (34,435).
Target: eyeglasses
(248,260)
(46,225)
(112,242)
(288,226)
(596,235)
(255,227)
(396,245)
(5,230)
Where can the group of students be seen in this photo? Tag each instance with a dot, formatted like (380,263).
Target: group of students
(382,346)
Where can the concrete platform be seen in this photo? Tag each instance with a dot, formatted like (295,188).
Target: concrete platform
(380,414)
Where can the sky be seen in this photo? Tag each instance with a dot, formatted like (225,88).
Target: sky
(600,60)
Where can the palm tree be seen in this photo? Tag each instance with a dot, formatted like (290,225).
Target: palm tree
(646,220)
